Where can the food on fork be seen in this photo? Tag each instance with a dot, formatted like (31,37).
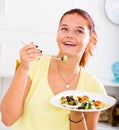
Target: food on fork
(63,58)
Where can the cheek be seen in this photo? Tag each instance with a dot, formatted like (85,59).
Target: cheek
(86,38)
(82,45)
(85,41)
(58,40)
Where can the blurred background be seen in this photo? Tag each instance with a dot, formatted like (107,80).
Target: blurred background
(37,21)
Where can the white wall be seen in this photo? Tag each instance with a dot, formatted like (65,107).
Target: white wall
(40,25)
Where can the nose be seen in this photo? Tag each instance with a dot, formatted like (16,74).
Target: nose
(69,35)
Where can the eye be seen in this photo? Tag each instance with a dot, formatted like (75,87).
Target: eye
(79,31)
(64,29)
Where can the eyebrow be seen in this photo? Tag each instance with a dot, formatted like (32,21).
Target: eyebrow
(80,27)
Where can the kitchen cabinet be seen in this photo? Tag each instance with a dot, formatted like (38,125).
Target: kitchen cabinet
(112,89)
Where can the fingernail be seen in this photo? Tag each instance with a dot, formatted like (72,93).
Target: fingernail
(41,51)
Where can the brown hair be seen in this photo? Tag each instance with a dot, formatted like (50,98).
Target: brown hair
(89,49)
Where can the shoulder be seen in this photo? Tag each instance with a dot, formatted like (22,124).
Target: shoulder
(86,74)
(37,66)
(43,60)
(93,83)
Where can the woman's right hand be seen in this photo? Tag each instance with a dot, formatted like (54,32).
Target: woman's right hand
(29,53)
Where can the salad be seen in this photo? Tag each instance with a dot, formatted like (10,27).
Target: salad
(81,102)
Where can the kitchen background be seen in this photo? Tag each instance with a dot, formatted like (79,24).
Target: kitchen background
(37,21)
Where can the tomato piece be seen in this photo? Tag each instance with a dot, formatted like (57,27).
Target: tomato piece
(79,97)
(84,98)
(97,103)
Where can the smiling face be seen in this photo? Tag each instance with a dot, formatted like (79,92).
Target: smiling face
(73,35)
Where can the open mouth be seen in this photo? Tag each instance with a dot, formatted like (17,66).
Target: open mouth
(69,44)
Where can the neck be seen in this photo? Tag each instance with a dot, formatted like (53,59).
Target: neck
(67,72)
(70,66)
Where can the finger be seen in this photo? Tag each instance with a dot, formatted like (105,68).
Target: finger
(29,46)
(33,44)
(36,55)
(32,51)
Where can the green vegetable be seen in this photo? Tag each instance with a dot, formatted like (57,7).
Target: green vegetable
(64,58)
(88,105)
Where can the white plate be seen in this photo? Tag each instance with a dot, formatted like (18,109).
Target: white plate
(92,96)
